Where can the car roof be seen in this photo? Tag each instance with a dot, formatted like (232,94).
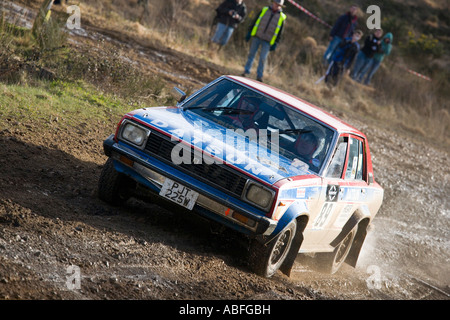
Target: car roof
(304,106)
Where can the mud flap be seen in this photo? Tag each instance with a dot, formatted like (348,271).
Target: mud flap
(302,220)
(288,263)
(353,255)
(355,221)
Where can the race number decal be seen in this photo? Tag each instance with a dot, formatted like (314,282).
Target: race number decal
(324,216)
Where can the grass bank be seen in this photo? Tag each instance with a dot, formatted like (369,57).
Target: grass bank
(68,85)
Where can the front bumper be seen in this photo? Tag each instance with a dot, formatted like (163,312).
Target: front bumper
(211,203)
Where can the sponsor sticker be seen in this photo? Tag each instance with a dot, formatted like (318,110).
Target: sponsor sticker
(301,193)
(332,192)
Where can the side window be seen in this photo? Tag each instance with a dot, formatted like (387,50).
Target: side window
(355,163)
(337,164)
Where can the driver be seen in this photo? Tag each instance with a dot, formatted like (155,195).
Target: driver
(305,146)
(246,120)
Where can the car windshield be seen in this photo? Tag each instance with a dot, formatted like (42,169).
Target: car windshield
(298,137)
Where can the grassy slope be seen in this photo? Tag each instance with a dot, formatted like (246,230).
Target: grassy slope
(397,98)
(49,102)
(90,85)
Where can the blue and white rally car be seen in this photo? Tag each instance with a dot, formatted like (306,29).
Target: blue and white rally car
(287,175)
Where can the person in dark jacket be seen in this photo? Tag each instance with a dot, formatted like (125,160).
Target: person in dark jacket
(343,58)
(371,46)
(343,28)
(229,15)
(384,50)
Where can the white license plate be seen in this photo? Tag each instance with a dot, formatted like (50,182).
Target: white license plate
(178,193)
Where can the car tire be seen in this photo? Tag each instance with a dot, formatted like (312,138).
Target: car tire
(266,259)
(113,186)
(330,262)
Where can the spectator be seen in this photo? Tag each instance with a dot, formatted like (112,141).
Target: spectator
(365,56)
(265,31)
(229,15)
(342,29)
(343,57)
(384,50)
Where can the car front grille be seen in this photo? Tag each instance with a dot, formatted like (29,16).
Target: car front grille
(217,175)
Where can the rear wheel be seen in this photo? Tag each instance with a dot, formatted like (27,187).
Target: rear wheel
(113,186)
(330,262)
(266,259)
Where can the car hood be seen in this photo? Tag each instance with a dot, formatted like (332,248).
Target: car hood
(225,145)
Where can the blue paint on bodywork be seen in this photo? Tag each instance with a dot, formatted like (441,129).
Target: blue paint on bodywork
(224,144)
(187,180)
(295,210)
(300,193)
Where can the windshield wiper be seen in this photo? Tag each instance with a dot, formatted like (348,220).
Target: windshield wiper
(299,131)
(228,110)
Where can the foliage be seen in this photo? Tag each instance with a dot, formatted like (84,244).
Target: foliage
(26,59)
(422,46)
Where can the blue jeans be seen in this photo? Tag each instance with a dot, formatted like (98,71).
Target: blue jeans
(265,48)
(330,50)
(223,34)
(372,68)
(361,66)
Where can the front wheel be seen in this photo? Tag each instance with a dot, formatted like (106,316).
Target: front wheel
(113,186)
(266,259)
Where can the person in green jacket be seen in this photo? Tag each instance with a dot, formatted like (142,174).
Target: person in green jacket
(384,50)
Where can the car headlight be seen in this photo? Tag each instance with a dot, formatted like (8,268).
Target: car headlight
(134,134)
(259,195)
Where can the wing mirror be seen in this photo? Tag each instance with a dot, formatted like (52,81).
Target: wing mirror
(180,94)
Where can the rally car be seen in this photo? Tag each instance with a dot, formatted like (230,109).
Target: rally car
(288,176)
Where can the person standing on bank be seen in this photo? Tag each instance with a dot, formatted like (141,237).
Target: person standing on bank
(343,28)
(265,32)
(343,57)
(384,50)
(364,58)
(229,15)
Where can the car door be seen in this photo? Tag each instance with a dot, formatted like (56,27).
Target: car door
(329,201)
(346,185)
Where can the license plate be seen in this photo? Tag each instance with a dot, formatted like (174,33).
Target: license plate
(178,193)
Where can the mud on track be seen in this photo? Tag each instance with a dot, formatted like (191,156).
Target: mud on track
(51,219)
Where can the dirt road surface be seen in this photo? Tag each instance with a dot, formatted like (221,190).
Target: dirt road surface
(54,231)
